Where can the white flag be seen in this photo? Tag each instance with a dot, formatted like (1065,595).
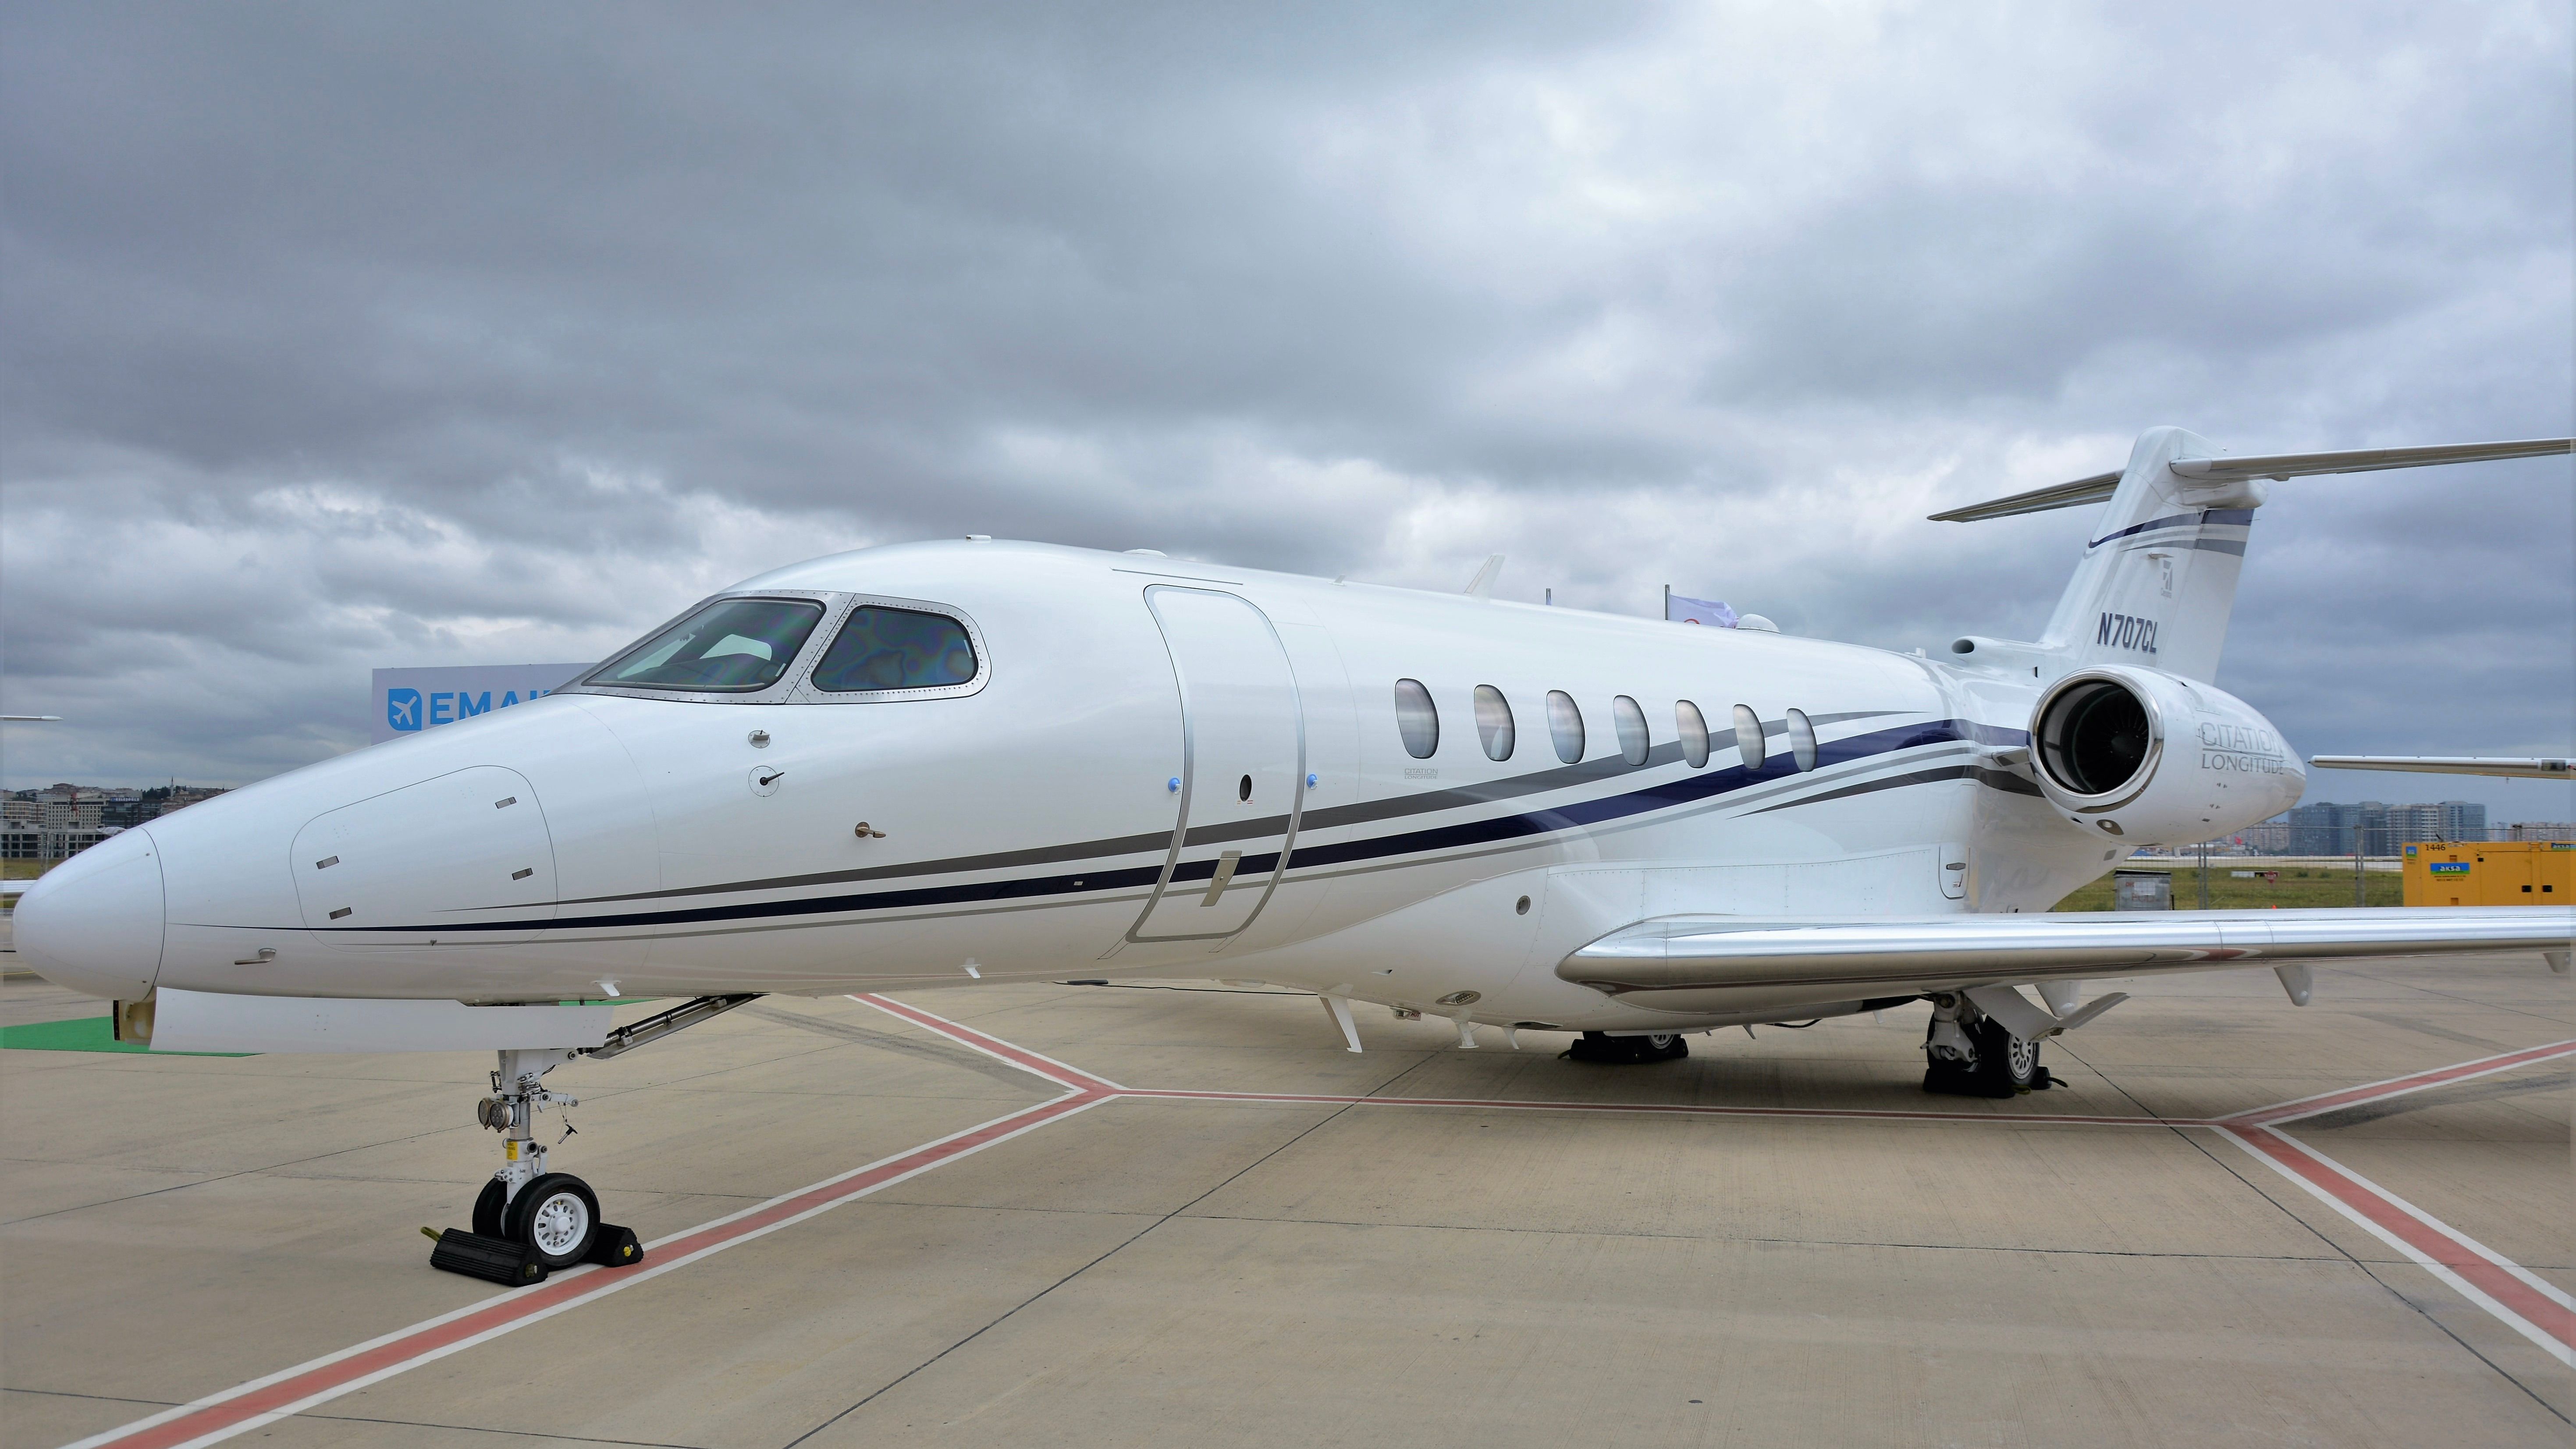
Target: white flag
(1699,611)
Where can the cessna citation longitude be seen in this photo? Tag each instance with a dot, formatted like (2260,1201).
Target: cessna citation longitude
(942,763)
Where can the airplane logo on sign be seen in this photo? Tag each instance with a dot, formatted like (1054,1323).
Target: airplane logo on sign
(402,708)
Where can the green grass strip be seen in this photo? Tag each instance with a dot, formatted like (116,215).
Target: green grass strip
(82,1034)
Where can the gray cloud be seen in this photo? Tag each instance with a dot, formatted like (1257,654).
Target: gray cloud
(347,338)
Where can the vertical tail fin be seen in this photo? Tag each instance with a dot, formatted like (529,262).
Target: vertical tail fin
(2158,577)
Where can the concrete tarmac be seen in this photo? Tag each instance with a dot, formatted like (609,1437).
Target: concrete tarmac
(1194,1271)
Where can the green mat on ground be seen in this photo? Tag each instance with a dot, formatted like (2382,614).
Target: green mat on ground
(82,1034)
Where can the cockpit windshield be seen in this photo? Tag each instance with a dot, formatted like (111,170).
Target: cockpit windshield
(730,645)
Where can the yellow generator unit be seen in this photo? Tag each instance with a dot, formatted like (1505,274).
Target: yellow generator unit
(2498,873)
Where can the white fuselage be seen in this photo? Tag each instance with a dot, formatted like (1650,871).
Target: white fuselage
(1133,720)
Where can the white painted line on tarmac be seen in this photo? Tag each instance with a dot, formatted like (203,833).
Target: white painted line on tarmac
(2296,1108)
(2511,1293)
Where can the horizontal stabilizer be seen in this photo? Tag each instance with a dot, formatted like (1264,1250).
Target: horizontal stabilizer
(2367,460)
(2507,767)
(1923,953)
(2276,465)
(2037,500)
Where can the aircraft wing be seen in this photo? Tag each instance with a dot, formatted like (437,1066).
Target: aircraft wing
(1780,959)
(2508,767)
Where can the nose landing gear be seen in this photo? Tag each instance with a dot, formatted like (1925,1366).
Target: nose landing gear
(529,1222)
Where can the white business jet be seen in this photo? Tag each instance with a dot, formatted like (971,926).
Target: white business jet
(978,761)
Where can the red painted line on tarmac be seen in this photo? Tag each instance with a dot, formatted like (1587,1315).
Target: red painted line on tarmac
(2400,1086)
(261,1401)
(1665,1108)
(992,1046)
(2545,1319)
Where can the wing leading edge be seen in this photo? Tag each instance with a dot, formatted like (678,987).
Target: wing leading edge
(1711,954)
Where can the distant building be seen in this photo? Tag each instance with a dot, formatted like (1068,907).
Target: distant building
(162,799)
(2538,830)
(2446,820)
(2328,828)
(70,807)
(60,821)
(2269,837)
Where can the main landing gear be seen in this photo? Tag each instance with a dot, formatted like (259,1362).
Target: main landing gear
(1970,1054)
(528,1222)
(1601,1046)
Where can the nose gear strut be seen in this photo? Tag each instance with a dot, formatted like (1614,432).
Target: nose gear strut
(529,1221)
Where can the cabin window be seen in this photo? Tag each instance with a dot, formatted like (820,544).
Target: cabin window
(1494,722)
(1694,731)
(1802,739)
(729,646)
(1416,719)
(1631,723)
(1748,736)
(1565,725)
(881,648)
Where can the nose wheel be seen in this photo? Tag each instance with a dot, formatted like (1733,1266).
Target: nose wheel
(557,1216)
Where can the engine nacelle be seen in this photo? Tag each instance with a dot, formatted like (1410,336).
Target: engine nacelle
(2151,759)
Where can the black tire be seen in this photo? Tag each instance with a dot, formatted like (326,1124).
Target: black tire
(557,1215)
(487,1210)
(1599,1046)
(2005,1063)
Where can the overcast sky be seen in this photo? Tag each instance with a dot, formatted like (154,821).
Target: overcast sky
(339,337)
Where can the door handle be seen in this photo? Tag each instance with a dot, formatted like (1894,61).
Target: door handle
(1225,865)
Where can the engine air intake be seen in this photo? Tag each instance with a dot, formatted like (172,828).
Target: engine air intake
(2094,737)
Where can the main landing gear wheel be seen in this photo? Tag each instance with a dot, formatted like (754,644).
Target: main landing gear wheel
(557,1215)
(1600,1046)
(2007,1063)
(2004,1065)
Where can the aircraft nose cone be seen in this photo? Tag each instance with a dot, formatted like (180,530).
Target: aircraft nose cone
(93,923)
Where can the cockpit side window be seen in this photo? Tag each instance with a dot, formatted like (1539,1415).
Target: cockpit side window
(730,646)
(882,648)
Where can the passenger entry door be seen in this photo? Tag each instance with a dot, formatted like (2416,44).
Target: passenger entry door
(1243,767)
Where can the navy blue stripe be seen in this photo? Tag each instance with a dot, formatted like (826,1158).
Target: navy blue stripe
(1662,795)
(2213,518)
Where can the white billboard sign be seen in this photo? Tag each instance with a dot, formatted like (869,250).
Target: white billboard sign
(411,700)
